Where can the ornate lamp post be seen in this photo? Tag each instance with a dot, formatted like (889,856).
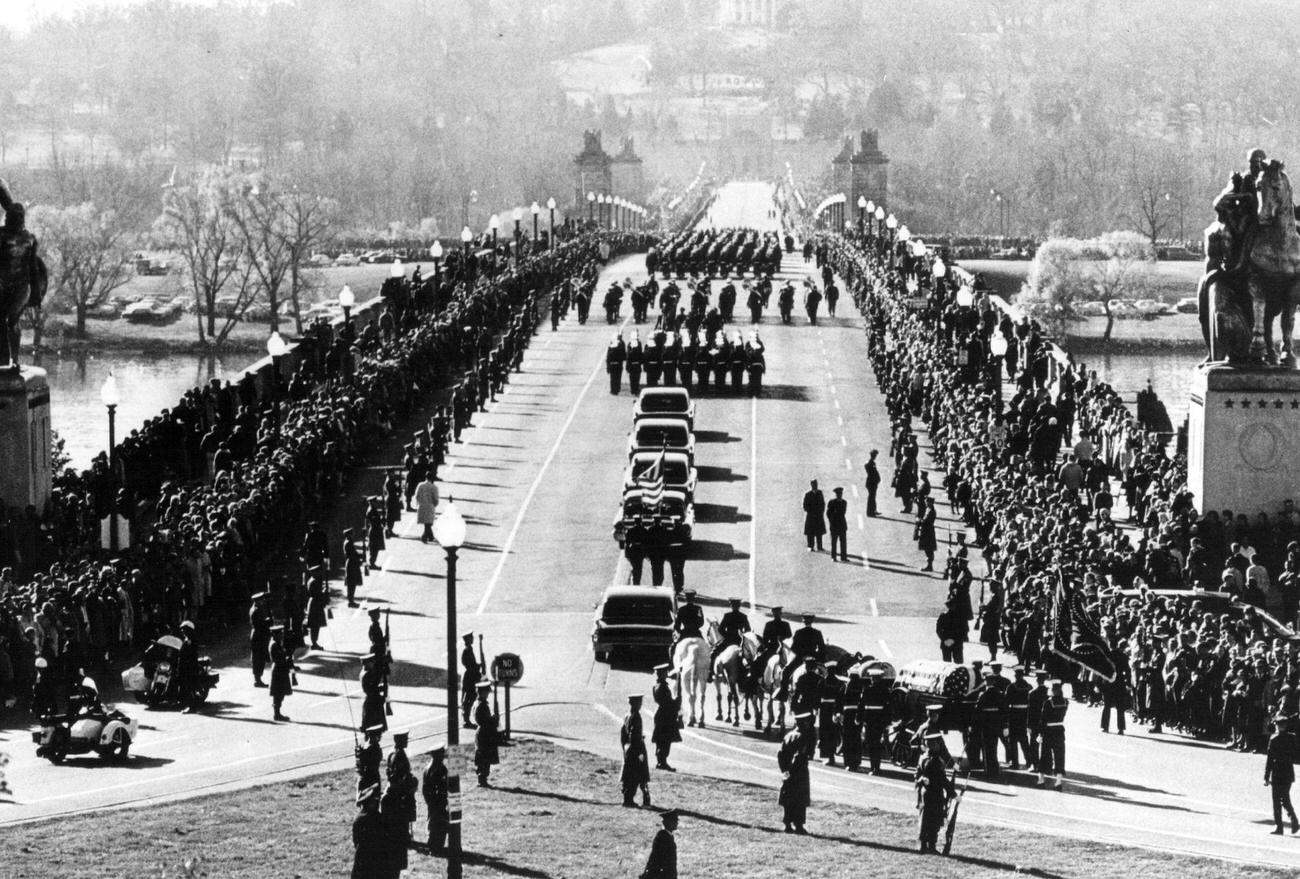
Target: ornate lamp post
(536,209)
(591,206)
(862,212)
(449,531)
(466,237)
(108,395)
(494,223)
(277,347)
(871,216)
(347,299)
(517,216)
(550,237)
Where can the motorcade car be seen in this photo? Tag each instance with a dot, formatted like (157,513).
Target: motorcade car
(674,515)
(88,727)
(678,473)
(634,618)
(156,679)
(650,434)
(665,403)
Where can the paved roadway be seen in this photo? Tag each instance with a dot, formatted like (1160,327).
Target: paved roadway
(538,478)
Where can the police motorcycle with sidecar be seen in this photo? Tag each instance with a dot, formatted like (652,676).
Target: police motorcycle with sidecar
(88,726)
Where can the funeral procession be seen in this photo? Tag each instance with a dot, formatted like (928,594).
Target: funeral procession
(771,439)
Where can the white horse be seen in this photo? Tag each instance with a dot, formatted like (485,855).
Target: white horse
(691,660)
(770,685)
(729,669)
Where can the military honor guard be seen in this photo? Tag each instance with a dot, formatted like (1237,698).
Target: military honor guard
(662,863)
(434,789)
(1052,725)
(486,743)
(934,788)
(259,636)
(369,758)
(636,767)
(1279,771)
(282,668)
(668,707)
(792,759)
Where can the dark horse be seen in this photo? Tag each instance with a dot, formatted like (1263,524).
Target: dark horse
(23,276)
(1273,262)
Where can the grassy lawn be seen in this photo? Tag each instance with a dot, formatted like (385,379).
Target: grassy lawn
(556,813)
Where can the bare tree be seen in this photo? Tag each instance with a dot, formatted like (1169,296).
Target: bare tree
(1121,271)
(307,223)
(87,250)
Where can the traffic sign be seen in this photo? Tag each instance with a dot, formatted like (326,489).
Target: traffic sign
(507,668)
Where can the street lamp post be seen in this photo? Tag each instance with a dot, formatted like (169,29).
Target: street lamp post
(449,531)
(277,348)
(108,394)
(891,223)
(517,216)
(436,252)
(591,206)
(536,209)
(466,237)
(494,223)
(550,237)
(347,299)
(862,213)
(871,215)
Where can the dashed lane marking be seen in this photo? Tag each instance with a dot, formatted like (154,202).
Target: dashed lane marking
(855,490)
(506,548)
(875,610)
(862,523)
(884,648)
(837,403)
(844,441)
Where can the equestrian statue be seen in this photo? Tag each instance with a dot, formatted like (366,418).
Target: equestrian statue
(23,276)
(1252,267)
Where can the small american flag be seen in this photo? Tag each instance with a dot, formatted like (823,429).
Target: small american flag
(651,483)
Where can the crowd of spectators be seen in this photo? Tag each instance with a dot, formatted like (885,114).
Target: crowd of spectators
(1196,609)
(207,493)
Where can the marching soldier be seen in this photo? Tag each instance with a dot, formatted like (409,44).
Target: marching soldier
(1037,697)
(731,630)
(668,707)
(988,722)
(1052,724)
(850,730)
(1017,696)
(934,788)
(435,790)
(636,768)
(875,715)
(792,759)
(614,358)
(828,731)
(259,636)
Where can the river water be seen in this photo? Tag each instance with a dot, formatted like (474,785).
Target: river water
(1169,372)
(146,386)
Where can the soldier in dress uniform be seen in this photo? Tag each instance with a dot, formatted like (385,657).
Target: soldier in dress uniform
(806,695)
(316,546)
(374,857)
(353,565)
(1017,708)
(370,757)
(690,618)
(1052,724)
(807,641)
(470,676)
(668,707)
(1034,717)
(775,631)
(281,672)
(875,716)
(830,704)
(634,355)
(662,863)
(318,598)
(376,531)
(259,636)
(987,723)
(375,690)
(614,357)
(792,759)
(850,721)
(402,786)
(1279,771)
(932,724)
(934,788)
(435,789)
(731,630)
(636,766)
(486,754)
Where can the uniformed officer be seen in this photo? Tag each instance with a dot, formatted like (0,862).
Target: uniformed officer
(1017,705)
(690,618)
(731,630)
(934,787)
(850,720)
(987,722)
(932,724)
(633,355)
(1034,717)
(435,790)
(807,641)
(375,857)
(668,707)
(1052,723)
(375,690)
(806,695)
(775,632)
(792,759)
(662,863)
(614,357)
(470,676)
(636,767)
(875,716)
(487,753)
(315,546)
(370,757)
(402,783)
(1279,771)
(259,636)
(831,703)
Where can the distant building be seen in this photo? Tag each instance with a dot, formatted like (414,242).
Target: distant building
(749,13)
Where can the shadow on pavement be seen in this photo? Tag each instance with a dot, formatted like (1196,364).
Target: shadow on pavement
(714,551)
(720,474)
(715,436)
(797,393)
(719,513)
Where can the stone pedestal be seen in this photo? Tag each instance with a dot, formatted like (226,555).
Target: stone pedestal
(25,438)
(1243,443)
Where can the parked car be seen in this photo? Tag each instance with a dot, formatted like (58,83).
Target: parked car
(665,403)
(347,259)
(1092,308)
(678,473)
(1123,308)
(147,311)
(650,434)
(378,256)
(104,311)
(1188,305)
(634,618)
(327,310)
(320,260)
(1150,309)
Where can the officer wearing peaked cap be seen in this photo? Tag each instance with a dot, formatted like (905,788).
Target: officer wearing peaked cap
(487,753)
(375,854)
(875,715)
(668,708)
(636,767)
(370,757)
(1037,697)
(662,863)
(614,357)
(731,629)
(435,789)
(831,693)
(792,759)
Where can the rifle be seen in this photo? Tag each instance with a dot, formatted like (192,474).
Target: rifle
(388,660)
(483,672)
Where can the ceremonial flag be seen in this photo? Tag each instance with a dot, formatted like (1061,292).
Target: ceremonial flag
(1076,634)
(651,483)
